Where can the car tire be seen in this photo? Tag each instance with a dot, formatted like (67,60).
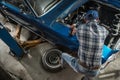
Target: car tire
(50,58)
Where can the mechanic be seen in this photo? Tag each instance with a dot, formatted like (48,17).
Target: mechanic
(91,37)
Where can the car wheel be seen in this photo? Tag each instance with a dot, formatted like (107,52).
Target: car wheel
(50,58)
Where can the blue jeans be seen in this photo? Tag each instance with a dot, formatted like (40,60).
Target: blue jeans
(73,62)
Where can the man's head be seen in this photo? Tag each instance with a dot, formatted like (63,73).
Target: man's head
(91,15)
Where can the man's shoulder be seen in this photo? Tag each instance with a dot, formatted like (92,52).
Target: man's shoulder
(103,30)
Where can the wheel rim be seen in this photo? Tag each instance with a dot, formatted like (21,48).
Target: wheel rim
(52,58)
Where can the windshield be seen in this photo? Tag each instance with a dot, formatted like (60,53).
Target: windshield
(42,6)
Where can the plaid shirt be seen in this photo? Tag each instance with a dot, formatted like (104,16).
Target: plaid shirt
(91,38)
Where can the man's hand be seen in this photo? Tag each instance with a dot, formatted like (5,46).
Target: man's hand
(73,29)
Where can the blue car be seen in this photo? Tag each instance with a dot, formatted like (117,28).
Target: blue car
(50,21)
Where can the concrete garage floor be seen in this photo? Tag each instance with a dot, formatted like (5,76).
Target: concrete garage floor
(33,66)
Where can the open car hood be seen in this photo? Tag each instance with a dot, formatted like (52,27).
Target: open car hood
(114,3)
